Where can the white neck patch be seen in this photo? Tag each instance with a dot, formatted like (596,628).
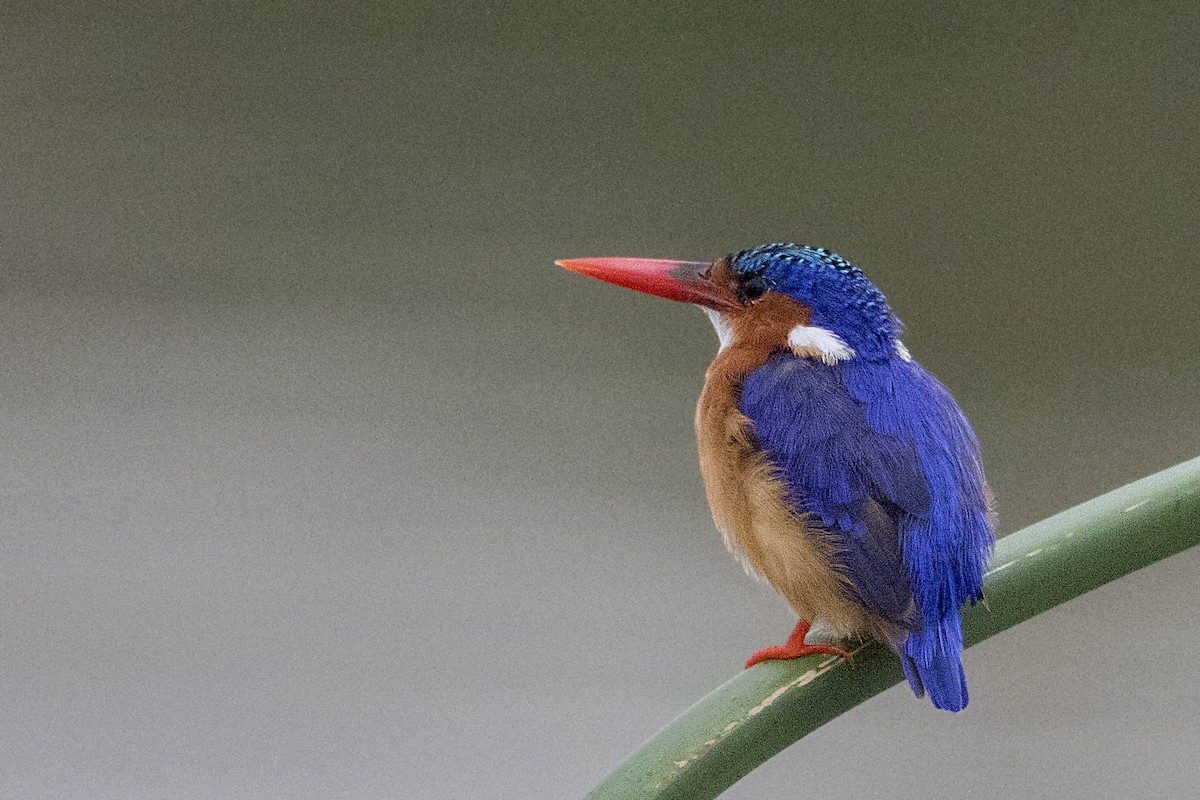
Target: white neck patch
(813,342)
(902,351)
(724,332)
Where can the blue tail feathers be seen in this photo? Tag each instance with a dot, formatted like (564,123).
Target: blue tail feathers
(932,662)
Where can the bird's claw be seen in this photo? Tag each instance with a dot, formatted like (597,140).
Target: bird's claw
(783,652)
(796,647)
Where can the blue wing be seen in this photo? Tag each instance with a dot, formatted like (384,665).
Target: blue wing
(880,453)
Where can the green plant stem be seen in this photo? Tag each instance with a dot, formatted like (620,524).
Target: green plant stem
(762,710)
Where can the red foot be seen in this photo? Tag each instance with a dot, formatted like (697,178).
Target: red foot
(795,648)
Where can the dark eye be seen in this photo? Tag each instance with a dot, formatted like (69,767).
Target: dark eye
(752,288)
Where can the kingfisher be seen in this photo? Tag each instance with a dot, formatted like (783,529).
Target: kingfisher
(835,466)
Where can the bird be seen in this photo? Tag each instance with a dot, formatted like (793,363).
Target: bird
(835,466)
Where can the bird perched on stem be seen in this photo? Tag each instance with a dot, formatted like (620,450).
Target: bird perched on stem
(835,466)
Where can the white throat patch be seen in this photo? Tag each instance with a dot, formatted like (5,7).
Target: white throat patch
(813,342)
(724,332)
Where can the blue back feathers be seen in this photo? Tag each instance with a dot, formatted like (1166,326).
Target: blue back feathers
(877,450)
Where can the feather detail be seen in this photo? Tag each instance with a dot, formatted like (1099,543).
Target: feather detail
(946,547)
(749,501)
(767,534)
(879,454)
(811,341)
(935,655)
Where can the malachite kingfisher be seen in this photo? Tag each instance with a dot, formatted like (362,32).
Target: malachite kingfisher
(835,466)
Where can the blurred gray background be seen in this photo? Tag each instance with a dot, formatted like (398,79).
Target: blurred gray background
(320,480)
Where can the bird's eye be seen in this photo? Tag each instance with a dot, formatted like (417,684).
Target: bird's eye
(752,289)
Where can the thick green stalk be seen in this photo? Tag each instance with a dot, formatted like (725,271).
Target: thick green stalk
(762,710)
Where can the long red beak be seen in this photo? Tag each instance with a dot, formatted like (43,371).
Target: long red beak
(686,281)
